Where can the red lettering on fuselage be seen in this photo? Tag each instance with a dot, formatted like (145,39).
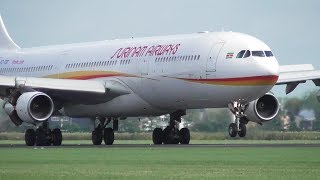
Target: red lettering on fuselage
(139,51)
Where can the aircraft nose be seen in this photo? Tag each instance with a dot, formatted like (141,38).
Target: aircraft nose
(271,70)
(268,66)
(272,67)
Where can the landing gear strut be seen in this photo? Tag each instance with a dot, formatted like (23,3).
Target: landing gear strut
(239,127)
(171,134)
(101,132)
(43,136)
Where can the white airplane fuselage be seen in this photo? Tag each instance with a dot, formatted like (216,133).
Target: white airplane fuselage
(165,73)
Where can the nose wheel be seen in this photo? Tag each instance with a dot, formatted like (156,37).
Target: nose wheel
(233,130)
(239,126)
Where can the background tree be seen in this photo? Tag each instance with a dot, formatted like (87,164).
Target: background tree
(213,120)
(130,125)
(293,106)
(311,102)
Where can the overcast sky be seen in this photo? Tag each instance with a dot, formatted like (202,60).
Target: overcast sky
(290,27)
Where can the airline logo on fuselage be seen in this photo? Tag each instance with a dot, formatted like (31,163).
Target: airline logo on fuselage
(155,50)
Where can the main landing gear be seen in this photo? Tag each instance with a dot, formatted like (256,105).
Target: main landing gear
(101,132)
(239,126)
(171,134)
(43,136)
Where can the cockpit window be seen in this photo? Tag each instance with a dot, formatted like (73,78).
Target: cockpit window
(240,54)
(247,54)
(258,53)
(268,53)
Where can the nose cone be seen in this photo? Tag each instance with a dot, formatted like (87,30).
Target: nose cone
(269,68)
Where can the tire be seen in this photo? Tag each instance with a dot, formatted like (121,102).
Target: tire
(171,136)
(56,137)
(96,137)
(157,136)
(30,137)
(184,136)
(232,130)
(242,130)
(167,136)
(43,137)
(108,136)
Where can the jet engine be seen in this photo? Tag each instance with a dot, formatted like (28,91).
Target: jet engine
(30,107)
(263,109)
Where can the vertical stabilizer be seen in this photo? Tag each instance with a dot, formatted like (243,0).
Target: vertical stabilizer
(6,42)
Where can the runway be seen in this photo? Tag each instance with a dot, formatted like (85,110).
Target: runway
(166,146)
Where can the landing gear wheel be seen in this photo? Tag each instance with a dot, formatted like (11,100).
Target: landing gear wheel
(242,130)
(184,136)
(232,130)
(171,136)
(43,137)
(96,136)
(56,137)
(30,137)
(108,136)
(157,136)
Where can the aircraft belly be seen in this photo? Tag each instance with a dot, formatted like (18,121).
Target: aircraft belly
(171,93)
(129,105)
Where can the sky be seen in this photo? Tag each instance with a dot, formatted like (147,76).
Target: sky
(290,27)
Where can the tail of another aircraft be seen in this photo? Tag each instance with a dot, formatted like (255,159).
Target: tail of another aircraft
(6,43)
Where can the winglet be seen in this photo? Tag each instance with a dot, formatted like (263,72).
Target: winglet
(6,43)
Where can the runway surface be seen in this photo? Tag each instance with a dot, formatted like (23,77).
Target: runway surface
(165,146)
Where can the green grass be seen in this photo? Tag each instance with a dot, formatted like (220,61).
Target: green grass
(159,163)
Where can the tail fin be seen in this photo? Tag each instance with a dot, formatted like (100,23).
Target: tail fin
(6,43)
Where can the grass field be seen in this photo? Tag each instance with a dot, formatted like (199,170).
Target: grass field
(160,163)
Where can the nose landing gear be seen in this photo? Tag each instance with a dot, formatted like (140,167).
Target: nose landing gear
(239,126)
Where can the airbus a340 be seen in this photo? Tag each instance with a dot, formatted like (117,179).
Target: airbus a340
(151,76)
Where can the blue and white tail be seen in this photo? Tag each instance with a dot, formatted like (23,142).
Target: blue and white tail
(6,43)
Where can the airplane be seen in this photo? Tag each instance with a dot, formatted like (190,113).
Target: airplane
(152,76)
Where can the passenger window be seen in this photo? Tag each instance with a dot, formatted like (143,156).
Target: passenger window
(247,54)
(258,53)
(240,54)
(268,53)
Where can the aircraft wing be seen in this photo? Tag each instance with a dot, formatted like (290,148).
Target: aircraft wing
(293,75)
(66,90)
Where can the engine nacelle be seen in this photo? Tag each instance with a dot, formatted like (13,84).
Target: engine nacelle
(34,106)
(263,109)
